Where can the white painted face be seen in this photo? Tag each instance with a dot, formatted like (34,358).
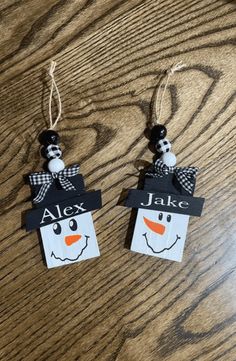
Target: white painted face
(160,234)
(69,240)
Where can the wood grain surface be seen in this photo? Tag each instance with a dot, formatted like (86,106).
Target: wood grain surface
(111,54)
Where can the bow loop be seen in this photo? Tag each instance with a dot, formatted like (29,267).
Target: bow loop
(70,171)
(45,179)
(184,175)
(40,178)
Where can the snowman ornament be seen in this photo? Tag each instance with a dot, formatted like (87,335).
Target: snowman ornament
(62,209)
(165,203)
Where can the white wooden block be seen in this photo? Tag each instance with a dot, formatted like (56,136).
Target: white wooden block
(70,240)
(160,234)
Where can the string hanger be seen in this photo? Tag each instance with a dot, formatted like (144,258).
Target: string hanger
(169,72)
(54,85)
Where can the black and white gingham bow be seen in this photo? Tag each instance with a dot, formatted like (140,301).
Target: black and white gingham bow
(185,175)
(46,179)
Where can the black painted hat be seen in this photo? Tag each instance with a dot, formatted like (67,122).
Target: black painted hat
(58,202)
(165,193)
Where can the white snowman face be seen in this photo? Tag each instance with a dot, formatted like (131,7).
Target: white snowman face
(160,234)
(69,240)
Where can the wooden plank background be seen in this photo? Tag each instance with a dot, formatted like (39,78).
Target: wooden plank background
(111,53)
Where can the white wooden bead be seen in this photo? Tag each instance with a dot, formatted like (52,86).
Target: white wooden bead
(56,165)
(169,159)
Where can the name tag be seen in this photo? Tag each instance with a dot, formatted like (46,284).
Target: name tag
(40,217)
(165,202)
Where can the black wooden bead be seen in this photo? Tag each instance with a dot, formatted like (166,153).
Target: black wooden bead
(49,137)
(158,132)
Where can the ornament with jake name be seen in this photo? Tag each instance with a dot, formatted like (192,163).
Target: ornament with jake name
(166,201)
(62,207)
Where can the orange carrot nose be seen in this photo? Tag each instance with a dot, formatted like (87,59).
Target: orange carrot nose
(155,227)
(69,240)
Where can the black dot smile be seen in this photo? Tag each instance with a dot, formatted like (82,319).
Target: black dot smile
(164,249)
(72,259)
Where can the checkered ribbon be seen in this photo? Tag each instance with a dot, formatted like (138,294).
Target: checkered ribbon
(184,175)
(45,179)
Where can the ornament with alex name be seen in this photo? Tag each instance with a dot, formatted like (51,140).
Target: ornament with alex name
(62,207)
(62,212)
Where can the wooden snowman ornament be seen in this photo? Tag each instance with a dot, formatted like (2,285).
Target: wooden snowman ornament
(164,207)
(62,207)
(166,201)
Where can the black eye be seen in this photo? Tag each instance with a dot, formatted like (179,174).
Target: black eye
(73,224)
(160,216)
(168,218)
(56,228)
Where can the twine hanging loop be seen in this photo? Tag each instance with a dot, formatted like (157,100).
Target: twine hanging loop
(54,86)
(169,73)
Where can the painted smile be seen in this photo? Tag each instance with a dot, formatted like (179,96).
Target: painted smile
(72,259)
(164,249)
